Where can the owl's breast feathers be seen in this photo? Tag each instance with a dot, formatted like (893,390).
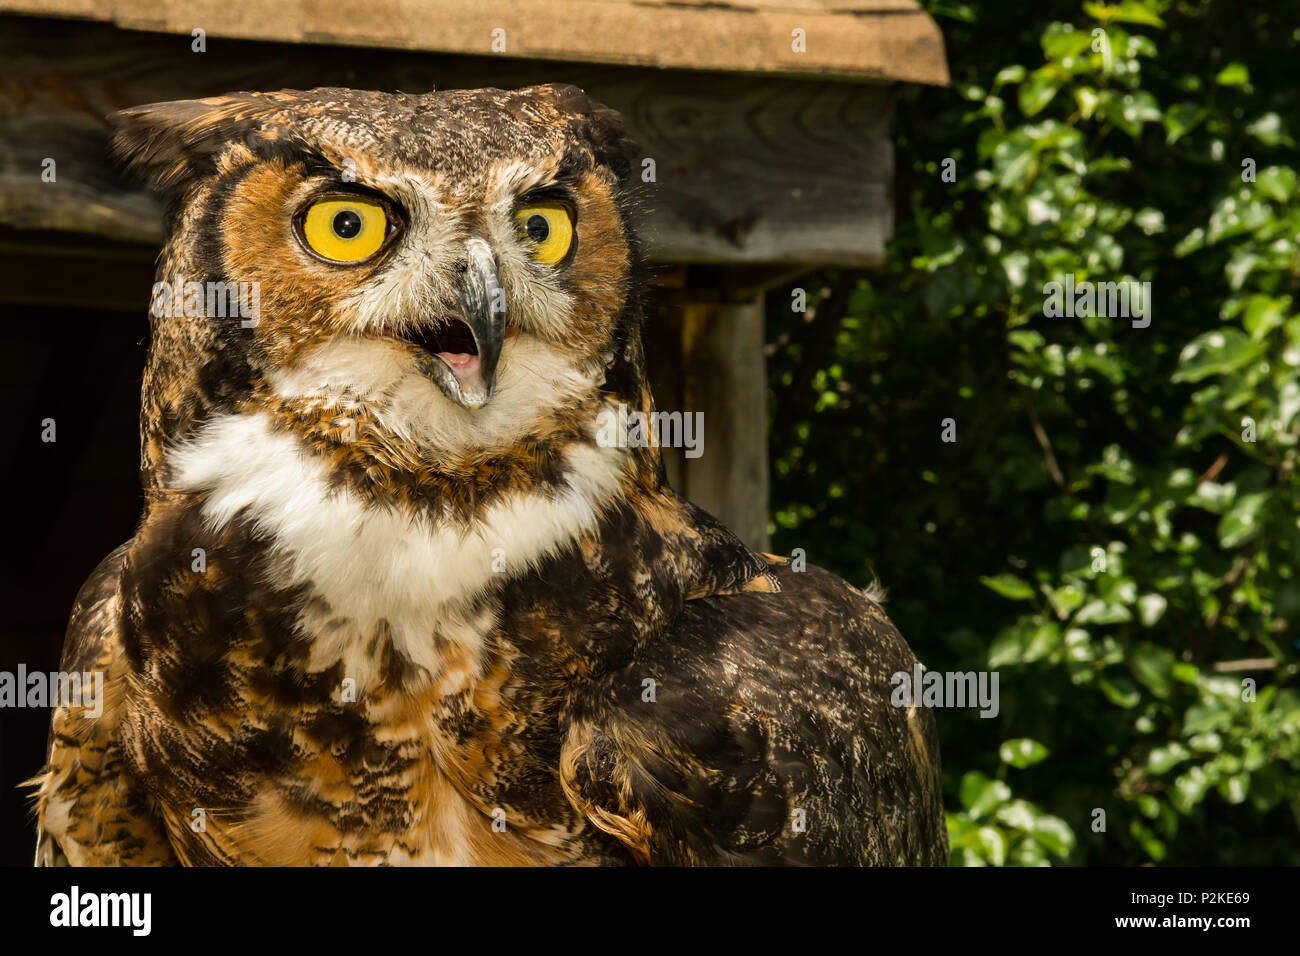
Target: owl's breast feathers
(298,675)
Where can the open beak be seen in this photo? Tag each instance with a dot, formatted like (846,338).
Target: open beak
(460,355)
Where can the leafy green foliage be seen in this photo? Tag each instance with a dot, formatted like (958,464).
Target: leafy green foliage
(1115,529)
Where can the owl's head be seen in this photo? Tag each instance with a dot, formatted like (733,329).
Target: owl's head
(454,272)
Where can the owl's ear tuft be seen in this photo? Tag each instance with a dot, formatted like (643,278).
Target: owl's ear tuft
(599,126)
(168,144)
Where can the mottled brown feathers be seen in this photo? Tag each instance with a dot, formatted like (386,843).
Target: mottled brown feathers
(366,621)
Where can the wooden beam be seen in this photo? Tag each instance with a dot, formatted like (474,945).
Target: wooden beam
(725,381)
(661,338)
(745,171)
(858,39)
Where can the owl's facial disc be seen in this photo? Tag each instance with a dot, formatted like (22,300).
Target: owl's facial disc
(459,353)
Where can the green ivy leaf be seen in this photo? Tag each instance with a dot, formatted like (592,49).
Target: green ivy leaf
(1151,607)
(1120,691)
(1264,313)
(1180,119)
(1190,787)
(1022,752)
(981,795)
(1215,353)
(994,845)
(1235,788)
(1241,523)
(1044,639)
(1009,74)
(1153,666)
(1064,599)
(1054,834)
(1270,130)
(1234,74)
(1038,91)
(1163,759)
(1009,586)
(1014,162)
(1207,715)
(1101,612)
(1131,111)
(1277,183)
(1005,649)
(1134,11)
(1087,99)
(1150,843)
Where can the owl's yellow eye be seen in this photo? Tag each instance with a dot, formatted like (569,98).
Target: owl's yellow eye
(548,228)
(345,228)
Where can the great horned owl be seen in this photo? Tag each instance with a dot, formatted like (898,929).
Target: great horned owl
(391,600)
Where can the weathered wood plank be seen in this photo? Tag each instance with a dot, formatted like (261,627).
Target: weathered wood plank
(858,39)
(725,381)
(746,171)
(704,353)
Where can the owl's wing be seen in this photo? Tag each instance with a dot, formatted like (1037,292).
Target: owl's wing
(770,738)
(90,810)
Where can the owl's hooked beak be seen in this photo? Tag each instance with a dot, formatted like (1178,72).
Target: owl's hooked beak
(462,358)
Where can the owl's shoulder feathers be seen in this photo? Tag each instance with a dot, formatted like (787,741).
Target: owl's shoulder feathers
(91,809)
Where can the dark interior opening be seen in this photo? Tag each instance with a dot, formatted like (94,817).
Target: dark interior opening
(67,503)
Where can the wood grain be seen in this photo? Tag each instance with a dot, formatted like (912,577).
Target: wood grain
(725,380)
(747,171)
(858,39)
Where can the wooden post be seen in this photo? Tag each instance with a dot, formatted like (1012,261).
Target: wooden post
(725,379)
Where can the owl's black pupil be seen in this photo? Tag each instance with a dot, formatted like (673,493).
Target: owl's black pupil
(537,228)
(347,224)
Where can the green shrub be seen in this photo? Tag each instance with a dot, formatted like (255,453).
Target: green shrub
(1115,529)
